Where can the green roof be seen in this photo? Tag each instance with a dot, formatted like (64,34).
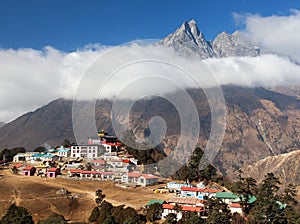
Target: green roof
(155,201)
(250,201)
(226,195)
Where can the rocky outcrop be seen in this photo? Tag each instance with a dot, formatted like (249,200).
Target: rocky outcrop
(285,166)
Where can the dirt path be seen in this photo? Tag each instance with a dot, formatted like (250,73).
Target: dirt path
(16,196)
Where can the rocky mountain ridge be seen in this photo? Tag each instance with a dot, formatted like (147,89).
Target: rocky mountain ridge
(285,166)
(188,40)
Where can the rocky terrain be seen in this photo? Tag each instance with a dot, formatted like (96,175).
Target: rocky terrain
(285,166)
(260,123)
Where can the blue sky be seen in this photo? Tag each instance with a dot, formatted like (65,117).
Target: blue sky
(68,25)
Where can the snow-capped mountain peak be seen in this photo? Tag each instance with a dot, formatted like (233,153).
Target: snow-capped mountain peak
(188,40)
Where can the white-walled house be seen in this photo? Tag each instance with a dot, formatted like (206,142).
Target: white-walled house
(63,152)
(86,151)
(21,157)
(183,204)
(200,193)
(91,174)
(139,178)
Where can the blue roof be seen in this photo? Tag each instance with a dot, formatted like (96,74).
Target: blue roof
(37,155)
(63,150)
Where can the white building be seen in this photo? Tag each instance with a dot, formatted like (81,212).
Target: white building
(182,204)
(139,178)
(86,151)
(63,152)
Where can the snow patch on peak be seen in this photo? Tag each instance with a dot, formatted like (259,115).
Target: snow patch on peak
(188,40)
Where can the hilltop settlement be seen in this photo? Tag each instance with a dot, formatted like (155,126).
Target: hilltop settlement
(105,158)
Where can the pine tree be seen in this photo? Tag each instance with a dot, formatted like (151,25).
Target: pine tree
(17,215)
(267,209)
(245,189)
(218,212)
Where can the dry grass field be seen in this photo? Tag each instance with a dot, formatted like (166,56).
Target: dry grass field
(39,196)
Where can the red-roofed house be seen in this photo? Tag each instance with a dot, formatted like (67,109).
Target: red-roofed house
(29,171)
(91,174)
(198,192)
(18,165)
(139,178)
(183,204)
(99,163)
(236,207)
(53,172)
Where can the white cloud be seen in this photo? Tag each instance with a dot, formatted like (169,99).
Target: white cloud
(31,78)
(266,70)
(280,34)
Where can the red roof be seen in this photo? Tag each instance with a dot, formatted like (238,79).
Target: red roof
(186,201)
(192,209)
(168,206)
(235,205)
(75,171)
(28,168)
(149,176)
(18,165)
(116,160)
(53,169)
(183,208)
(146,176)
(196,189)
(90,172)
(112,143)
(134,174)
(99,161)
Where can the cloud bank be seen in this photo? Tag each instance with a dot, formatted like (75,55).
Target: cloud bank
(281,34)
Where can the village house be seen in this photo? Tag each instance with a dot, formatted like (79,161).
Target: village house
(98,163)
(53,172)
(29,171)
(139,178)
(90,174)
(42,157)
(233,201)
(179,205)
(62,152)
(236,208)
(226,197)
(200,193)
(176,186)
(23,157)
(41,169)
(86,151)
